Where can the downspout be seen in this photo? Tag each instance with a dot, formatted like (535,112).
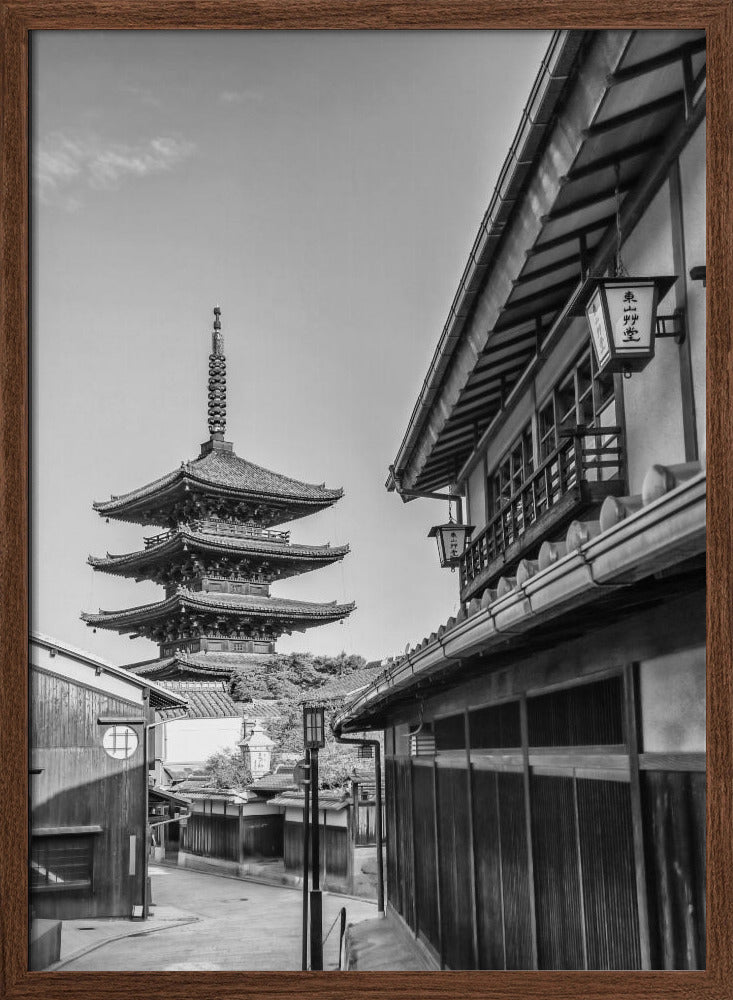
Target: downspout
(378,818)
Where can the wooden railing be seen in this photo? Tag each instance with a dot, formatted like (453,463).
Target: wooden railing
(213,527)
(585,456)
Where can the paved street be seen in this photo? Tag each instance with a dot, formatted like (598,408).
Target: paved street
(239,925)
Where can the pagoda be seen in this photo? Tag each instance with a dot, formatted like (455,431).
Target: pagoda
(217,555)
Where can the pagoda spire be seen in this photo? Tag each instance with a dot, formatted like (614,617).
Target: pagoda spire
(217,381)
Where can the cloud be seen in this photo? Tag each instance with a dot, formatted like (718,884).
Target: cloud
(63,165)
(240,97)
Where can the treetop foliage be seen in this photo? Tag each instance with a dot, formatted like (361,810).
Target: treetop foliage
(289,676)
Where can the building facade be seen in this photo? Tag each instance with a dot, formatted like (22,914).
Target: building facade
(545,747)
(89,782)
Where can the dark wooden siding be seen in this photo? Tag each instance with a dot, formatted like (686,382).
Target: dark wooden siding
(515,874)
(456,877)
(586,715)
(80,785)
(213,836)
(674,811)
(426,897)
(557,878)
(333,849)
(487,844)
(390,791)
(404,818)
(609,877)
(263,836)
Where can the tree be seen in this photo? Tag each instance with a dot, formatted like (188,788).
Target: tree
(228,770)
(290,679)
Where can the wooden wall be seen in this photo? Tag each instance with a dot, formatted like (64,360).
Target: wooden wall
(219,836)
(79,786)
(565,856)
(334,850)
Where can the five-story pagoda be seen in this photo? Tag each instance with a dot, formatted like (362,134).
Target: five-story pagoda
(217,555)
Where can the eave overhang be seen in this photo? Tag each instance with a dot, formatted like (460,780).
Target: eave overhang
(666,534)
(221,474)
(293,559)
(604,98)
(289,614)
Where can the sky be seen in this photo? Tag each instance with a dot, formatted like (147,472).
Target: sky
(324,188)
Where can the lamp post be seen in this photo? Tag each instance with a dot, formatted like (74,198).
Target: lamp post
(314,737)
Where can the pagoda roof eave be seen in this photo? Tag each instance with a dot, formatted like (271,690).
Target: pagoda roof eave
(221,474)
(303,613)
(274,552)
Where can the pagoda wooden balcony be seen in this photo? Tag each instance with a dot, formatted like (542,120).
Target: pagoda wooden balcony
(210,526)
(587,466)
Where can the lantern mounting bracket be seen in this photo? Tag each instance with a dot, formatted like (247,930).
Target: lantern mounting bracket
(673,325)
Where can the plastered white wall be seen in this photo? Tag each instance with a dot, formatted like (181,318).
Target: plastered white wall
(673,702)
(191,742)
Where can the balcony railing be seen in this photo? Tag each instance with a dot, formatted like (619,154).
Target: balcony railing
(213,527)
(587,466)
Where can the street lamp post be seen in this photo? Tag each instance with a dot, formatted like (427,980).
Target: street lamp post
(314,738)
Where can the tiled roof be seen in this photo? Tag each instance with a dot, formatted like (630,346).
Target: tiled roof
(227,471)
(276,552)
(236,604)
(274,782)
(344,687)
(672,497)
(210,699)
(330,801)
(208,664)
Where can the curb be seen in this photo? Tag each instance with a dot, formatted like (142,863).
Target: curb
(87,949)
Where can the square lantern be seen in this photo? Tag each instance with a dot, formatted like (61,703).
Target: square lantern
(451,539)
(622,317)
(314,734)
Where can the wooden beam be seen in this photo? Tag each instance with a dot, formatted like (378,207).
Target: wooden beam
(666,103)
(528,829)
(589,202)
(687,386)
(631,726)
(656,62)
(471,847)
(571,235)
(604,162)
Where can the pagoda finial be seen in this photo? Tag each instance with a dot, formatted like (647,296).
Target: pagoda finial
(217,381)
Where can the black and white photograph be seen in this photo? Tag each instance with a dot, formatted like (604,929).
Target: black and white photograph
(368,500)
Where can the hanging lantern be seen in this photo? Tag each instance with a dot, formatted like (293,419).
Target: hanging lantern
(314,735)
(451,539)
(622,317)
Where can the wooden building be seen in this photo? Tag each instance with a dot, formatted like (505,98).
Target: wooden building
(89,785)
(545,747)
(229,826)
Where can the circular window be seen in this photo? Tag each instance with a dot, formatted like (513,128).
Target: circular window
(120,742)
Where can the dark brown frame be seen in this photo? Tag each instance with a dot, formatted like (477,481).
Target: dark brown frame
(17,18)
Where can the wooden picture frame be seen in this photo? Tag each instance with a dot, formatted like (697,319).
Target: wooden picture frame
(18,18)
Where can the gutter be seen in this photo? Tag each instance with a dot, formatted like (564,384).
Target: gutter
(661,534)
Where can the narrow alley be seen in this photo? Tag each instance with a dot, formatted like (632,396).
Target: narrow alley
(236,925)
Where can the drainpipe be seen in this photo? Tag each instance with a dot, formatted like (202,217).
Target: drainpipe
(378,818)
